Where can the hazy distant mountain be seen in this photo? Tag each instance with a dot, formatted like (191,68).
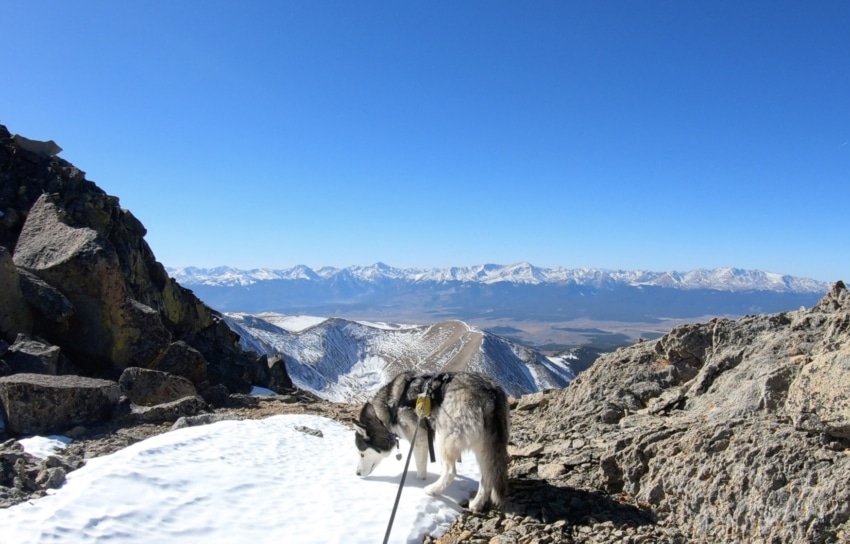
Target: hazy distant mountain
(489,292)
(722,279)
(342,360)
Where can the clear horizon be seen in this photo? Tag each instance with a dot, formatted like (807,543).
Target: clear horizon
(659,136)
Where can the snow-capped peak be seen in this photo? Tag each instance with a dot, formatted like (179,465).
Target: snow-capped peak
(724,279)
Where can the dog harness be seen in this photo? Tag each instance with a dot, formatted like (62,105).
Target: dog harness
(429,397)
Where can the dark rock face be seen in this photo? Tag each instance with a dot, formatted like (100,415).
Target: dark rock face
(30,354)
(75,270)
(38,403)
(15,313)
(108,327)
(228,365)
(81,293)
(279,380)
(181,359)
(150,387)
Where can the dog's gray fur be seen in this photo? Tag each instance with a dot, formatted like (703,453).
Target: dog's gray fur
(469,412)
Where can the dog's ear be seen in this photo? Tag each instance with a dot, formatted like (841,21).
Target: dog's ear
(360,429)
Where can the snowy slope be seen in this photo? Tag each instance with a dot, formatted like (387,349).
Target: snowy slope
(341,360)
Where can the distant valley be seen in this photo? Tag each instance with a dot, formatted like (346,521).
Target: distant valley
(549,309)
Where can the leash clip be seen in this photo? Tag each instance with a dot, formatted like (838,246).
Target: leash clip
(397,449)
(423,405)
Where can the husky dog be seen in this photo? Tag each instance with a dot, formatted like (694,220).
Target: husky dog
(468,412)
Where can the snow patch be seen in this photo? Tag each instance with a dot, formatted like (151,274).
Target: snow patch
(258,481)
(44,446)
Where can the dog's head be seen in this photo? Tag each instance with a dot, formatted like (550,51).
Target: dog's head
(373,439)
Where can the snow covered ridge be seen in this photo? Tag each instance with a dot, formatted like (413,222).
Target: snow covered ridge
(723,279)
(341,360)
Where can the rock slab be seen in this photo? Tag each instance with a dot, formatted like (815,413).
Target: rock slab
(38,403)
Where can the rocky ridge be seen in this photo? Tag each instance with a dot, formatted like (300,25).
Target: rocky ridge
(726,431)
(83,300)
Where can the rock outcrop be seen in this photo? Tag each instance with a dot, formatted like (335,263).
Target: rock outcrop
(146,387)
(81,292)
(726,431)
(24,477)
(42,404)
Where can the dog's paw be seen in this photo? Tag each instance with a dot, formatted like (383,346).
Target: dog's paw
(477,506)
(422,475)
(432,489)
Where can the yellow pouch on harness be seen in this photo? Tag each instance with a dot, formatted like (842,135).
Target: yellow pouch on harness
(423,406)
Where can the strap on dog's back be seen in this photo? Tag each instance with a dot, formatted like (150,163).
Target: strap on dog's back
(430,441)
(435,393)
(435,390)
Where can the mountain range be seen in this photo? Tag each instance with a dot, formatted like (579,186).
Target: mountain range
(548,308)
(722,279)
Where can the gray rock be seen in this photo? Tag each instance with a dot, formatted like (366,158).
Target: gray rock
(165,412)
(181,359)
(201,419)
(279,380)
(46,148)
(147,387)
(15,313)
(48,301)
(108,327)
(33,355)
(38,403)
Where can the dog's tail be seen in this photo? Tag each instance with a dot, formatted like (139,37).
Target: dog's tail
(495,468)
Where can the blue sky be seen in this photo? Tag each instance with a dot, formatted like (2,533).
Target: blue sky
(620,135)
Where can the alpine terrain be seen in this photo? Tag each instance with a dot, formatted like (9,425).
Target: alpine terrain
(342,360)
(719,430)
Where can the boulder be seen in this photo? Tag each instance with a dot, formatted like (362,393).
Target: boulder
(228,364)
(181,359)
(109,327)
(15,313)
(217,395)
(167,411)
(279,380)
(39,403)
(30,354)
(146,387)
(201,419)
(45,299)
(41,148)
